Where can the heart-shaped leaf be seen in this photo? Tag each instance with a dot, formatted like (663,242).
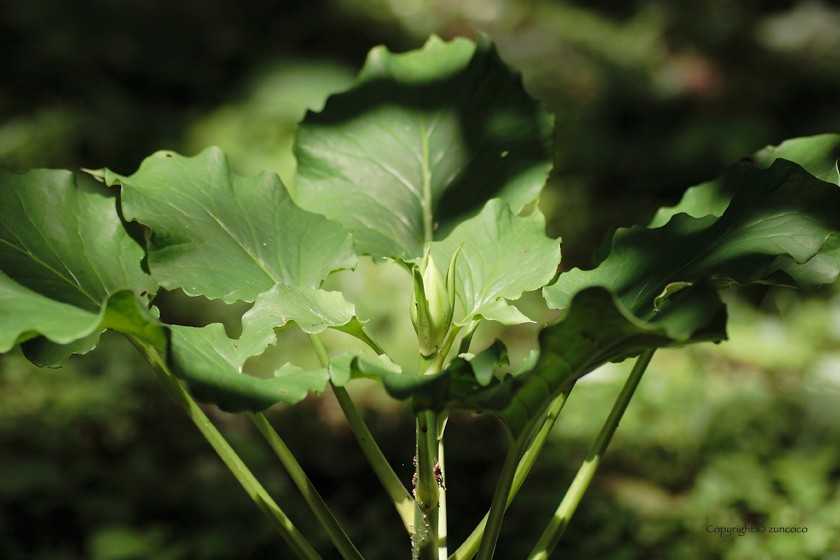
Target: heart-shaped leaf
(216,234)
(70,269)
(450,124)
(502,255)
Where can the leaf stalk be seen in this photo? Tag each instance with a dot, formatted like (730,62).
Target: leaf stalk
(281,523)
(402,500)
(316,503)
(470,546)
(570,501)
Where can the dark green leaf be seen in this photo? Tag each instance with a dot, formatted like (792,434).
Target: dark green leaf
(598,328)
(817,154)
(779,220)
(451,117)
(467,384)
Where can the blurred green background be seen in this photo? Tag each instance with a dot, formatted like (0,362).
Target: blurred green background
(650,97)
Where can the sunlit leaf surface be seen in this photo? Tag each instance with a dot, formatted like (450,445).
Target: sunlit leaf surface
(70,268)
(451,118)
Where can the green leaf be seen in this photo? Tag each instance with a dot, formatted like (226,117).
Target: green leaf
(817,154)
(212,365)
(502,256)
(313,311)
(467,384)
(597,328)
(451,118)
(779,219)
(355,366)
(70,268)
(26,314)
(43,352)
(216,234)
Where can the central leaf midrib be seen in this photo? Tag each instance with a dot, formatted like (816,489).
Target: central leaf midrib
(75,283)
(426,175)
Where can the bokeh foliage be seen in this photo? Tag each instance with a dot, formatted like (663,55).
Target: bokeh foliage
(96,462)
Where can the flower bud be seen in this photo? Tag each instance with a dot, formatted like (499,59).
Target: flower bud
(431,305)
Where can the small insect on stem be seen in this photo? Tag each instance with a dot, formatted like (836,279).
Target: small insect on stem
(439,476)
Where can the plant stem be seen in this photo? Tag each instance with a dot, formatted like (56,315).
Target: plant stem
(500,497)
(404,503)
(468,334)
(469,547)
(252,486)
(438,358)
(567,507)
(313,498)
(426,492)
(442,529)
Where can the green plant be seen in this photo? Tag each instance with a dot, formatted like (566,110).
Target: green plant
(433,158)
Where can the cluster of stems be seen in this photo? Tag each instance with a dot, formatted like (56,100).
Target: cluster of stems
(422,511)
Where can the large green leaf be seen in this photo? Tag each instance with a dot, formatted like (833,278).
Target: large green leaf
(216,234)
(817,154)
(223,236)
(502,255)
(653,288)
(70,268)
(212,364)
(451,118)
(779,219)
(597,328)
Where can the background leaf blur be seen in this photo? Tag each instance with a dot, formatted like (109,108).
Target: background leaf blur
(649,98)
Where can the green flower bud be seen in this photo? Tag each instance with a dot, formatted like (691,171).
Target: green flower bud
(450,277)
(431,305)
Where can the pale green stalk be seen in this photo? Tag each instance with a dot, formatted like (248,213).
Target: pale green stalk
(426,492)
(469,547)
(404,503)
(426,540)
(339,538)
(442,529)
(500,497)
(567,507)
(468,334)
(252,486)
